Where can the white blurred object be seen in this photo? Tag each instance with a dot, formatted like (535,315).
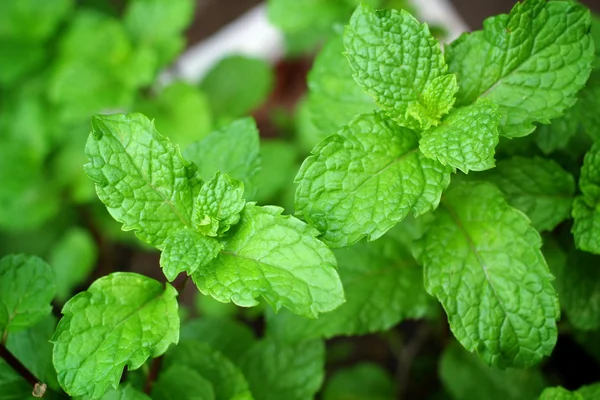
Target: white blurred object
(252,34)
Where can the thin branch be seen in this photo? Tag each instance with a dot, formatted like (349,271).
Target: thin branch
(152,374)
(407,355)
(39,388)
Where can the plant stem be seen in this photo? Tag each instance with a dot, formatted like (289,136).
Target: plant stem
(19,367)
(152,374)
(180,284)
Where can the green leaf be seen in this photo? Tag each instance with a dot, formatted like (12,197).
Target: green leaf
(27,286)
(334,97)
(12,385)
(539,187)
(364,381)
(466,138)
(278,258)
(531,63)
(588,105)
(578,287)
(140,176)
(590,392)
(383,285)
(278,371)
(159,25)
(180,111)
(237,85)
(586,208)
(400,64)
(483,262)
(121,320)
(73,258)
(365,179)
(33,348)
(229,337)
(181,382)
(218,205)
(32,20)
(465,377)
(557,134)
(124,392)
(227,380)
(232,150)
(278,168)
(186,251)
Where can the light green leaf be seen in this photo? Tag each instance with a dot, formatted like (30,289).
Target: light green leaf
(180,111)
(237,85)
(278,258)
(398,62)
(232,150)
(229,337)
(121,320)
(32,20)
(586,208)
(227,380)
(182,382)
(466,138)
(73,258)
(578,287)
(483,262)
(159,25)
(186,251)
(531,63)
(334,97)
(465,377)
(278,371)
(365,179)
(124,392)
(383,285)
(364,381)
(218,205)
(539,187)
(27,286)
(278,168)
(589,392)
(140,176)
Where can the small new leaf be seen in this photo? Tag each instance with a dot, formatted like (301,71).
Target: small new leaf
(365,179)
(218,205)
(466,138)
(27,286)
(121,320)
(531,62)
(186,251)
(140,176)
(586,208)
(483,262)
(277,257)
(398,62)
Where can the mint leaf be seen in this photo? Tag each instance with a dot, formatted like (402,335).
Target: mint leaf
(587,105)
(237,85)
(180,111)
(12,385)
(159,25)
(181,382)
(356,183)
(400,64)
(277,257)
(465,377)
(477,255)
(589,392)
(557,134)
(278,371)
(229,337)
(121,320)
(278,168)
(73,258)
(578,287)
(539,187)
(232,150)
(186,251)
(383,285)
(124,392)
(586,214)
(140,176)
(226,379)
(465,139)
(27,286)
(364,381)
(218,205)
(531,63)
(32,20)
(334,97)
